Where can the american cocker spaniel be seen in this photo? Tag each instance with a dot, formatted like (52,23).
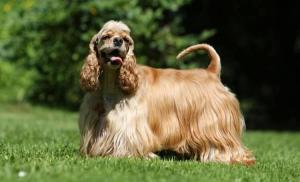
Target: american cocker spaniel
(131,110)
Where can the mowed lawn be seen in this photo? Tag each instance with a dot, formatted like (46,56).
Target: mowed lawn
(40,144)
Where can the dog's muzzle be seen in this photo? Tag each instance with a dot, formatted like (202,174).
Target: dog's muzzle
(113,56)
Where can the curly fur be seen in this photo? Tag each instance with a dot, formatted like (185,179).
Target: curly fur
(90,73)
(138,110)
(91,69)
(128,77)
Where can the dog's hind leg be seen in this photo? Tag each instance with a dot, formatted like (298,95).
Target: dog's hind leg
(216,135)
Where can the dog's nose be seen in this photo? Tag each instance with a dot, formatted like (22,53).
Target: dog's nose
(117,42)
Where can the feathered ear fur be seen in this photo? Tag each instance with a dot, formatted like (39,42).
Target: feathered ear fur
(89,76)
(128,77)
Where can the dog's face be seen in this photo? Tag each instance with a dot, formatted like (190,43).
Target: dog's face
(113,44)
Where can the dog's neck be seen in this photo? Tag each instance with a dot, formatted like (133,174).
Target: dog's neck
(110,89)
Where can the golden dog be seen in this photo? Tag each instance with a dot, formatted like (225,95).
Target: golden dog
(132,110)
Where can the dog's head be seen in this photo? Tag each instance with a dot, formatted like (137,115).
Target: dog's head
(111,48)
(113,44)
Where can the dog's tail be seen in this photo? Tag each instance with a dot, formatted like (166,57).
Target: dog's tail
(215,63)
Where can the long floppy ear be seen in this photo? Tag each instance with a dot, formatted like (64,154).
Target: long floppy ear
(89,75)
(128,77)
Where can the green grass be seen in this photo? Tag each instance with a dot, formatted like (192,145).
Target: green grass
(44,144)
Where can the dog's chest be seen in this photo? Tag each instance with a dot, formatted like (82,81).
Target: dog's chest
(110,101)
(123,112)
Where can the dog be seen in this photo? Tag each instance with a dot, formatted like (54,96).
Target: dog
(131,110)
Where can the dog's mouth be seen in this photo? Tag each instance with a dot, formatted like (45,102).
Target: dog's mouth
(114,56)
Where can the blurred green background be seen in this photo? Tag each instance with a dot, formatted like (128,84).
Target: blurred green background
(43,44)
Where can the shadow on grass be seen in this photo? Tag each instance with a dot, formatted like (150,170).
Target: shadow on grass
(171,155)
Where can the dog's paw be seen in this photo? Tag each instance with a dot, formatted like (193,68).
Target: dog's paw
(151,156)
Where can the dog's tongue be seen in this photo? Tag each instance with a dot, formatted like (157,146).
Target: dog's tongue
(116,59)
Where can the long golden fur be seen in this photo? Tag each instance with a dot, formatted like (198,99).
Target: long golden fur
(132,110)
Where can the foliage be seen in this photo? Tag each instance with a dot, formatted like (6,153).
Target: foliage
(43,144)
(14,81)
(51,37)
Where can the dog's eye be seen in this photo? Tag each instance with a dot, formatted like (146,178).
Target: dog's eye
(105,37)
(126,39)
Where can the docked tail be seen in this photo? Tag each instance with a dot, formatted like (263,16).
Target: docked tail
(215,63)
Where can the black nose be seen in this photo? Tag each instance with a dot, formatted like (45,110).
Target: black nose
(117,42)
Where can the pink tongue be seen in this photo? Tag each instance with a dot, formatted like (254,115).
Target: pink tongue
(116,59)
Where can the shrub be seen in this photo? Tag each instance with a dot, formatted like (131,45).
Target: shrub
(15,82)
